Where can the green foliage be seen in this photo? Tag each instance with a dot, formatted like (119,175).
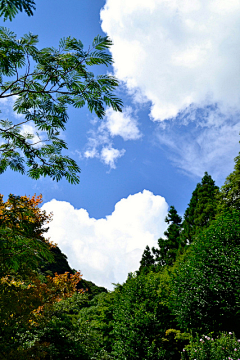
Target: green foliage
(147,262)
(73,329)
(207,347)
(59,338)
(22,225)
(205,293)
(230,192)
(140,319)
(58,265)
(42,93)
(27,302)
(91,288)
(99,315)
(10,8)
(168,248)
(173,343)
(201,210)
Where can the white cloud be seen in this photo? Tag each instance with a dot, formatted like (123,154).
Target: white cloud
(6,107)
(100,146)
(106,250)
(91,153)
(100,141)
(38,137)
(109,155)
(176,52)
(122,124)
(208,142)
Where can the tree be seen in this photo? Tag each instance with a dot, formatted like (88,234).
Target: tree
(201,210)
(42,84)
(25,294)
(141,318)
(99,315)
(205,292)
(169,247)
(70,332)
(27,302)
(59,264)
(22,229)
(10,8)
(60,78)
(230,192)
(147,262)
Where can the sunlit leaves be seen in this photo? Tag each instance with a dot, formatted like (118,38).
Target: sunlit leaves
(230,192)
(23,304)
(26,295)
(22,226)
(205,288)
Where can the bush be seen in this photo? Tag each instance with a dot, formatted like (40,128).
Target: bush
(223,347)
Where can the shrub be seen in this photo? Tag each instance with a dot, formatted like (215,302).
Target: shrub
(223,347)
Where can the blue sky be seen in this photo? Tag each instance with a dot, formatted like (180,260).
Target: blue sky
(178,66)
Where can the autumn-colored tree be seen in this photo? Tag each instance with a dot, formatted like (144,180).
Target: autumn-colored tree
(22,229)
(23,305)
(25,294)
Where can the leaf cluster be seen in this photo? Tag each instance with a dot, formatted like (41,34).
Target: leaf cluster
(10,8)
(43,83)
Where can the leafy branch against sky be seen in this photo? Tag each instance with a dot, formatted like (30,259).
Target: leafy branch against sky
(42,94)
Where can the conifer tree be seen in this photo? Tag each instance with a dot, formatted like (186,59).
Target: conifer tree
(169,247)
(201,210)
(147,262)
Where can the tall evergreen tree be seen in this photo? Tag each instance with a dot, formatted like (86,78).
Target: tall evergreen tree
(230,191)
(147,261)
(169,247)
(201,210)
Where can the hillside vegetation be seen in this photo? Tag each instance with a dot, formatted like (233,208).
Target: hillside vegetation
(182,303)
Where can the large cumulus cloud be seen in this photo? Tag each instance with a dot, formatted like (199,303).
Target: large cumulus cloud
(176,52)
(106,250)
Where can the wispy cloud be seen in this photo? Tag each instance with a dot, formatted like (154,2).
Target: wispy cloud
(101,139)
(206,140)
